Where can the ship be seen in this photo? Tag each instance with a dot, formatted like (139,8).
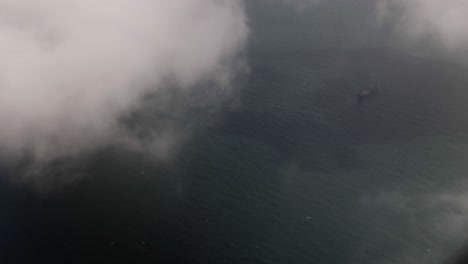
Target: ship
(369,92)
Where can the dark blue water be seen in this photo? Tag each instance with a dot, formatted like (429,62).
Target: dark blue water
(292,170)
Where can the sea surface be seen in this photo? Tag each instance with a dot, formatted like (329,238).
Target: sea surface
(292,170)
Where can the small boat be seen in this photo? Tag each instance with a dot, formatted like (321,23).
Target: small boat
(366,93)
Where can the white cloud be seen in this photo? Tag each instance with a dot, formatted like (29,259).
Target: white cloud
(443,21)
(70,69)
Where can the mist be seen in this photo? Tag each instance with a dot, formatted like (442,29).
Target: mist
(441,22)
(71,70)
(418,21)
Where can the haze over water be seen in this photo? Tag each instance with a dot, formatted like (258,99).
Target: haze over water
(289,169)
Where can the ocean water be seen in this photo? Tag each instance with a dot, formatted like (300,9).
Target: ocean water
(294,171)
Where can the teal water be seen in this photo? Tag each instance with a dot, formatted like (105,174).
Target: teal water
(295,171)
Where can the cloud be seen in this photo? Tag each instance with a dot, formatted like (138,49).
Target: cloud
(70,70)
(420,20)
(417,227)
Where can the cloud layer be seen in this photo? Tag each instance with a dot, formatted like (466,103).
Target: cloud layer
(70,70)
(435,20)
